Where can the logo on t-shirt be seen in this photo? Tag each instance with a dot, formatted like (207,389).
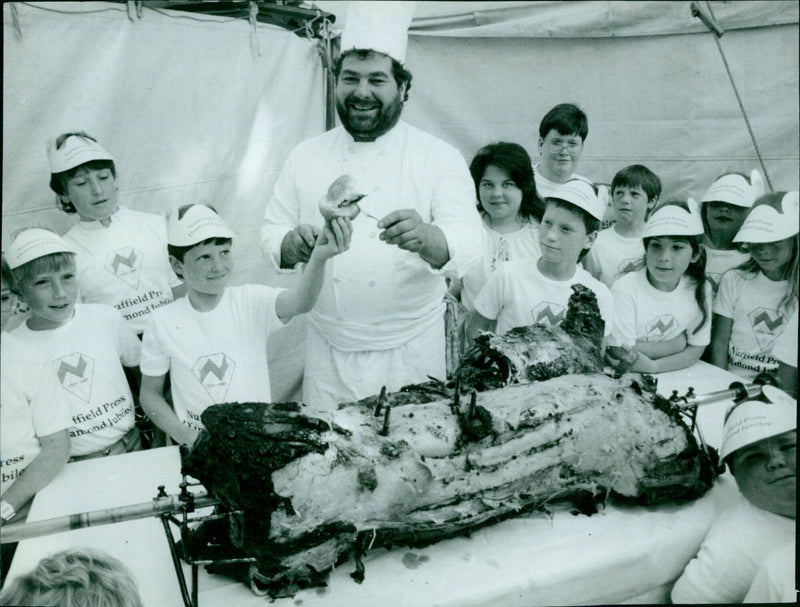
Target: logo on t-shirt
(215,372)
(548,313)
(767,325)
(660,326)
(76,371)
(125,264)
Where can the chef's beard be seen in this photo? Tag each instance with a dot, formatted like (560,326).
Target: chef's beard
(384,121)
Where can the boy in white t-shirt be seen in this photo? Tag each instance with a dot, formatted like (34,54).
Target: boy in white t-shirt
(213,342)
(526,292)
(89,344)
(34,441)
(634,192)
(759,443)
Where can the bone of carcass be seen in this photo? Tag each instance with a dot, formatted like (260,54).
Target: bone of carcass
(308,492)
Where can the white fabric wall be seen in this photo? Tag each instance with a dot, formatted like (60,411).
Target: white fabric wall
(661,100)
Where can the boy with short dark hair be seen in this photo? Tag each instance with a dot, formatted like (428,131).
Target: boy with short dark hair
(634,192)
(562,133)
(525,292)
(213,342)
(89,344)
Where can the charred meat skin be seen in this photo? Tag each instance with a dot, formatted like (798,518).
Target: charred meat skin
(311,491)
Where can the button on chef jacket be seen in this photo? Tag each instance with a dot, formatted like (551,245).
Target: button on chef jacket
(377,296)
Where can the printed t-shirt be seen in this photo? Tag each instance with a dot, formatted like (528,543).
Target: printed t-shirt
(219,356)
(89,351)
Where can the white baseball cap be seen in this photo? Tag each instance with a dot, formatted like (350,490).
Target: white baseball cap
(753,420)
(188,226)
(734,189)
(582,195)
(74,151)
(32,243)
(673,220)
(765,223)
(380,26)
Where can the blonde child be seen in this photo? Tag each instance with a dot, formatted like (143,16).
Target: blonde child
(634,191)
(213,342)
(756,299)
(525,292)
(89,344)
(662,310)
(724,207)
(121,254)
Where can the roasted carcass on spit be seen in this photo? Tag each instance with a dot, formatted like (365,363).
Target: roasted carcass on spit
(310,492)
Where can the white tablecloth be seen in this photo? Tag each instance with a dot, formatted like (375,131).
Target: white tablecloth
(620,554)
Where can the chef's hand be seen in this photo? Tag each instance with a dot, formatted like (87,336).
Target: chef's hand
(406,229)
(298,244)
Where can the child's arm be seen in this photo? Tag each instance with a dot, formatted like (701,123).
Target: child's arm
(159,411)
(721,327)
(334,239)
(476,324)
(660,349)
(685,358)
(43,468)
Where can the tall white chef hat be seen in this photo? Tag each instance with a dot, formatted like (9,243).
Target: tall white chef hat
(76,149)
(380,26)
(734,189)
(670,219)
(195,223)
(753,420)
(582,195)
(773,218)
(31,243)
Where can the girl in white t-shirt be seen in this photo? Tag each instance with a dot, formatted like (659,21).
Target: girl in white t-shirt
(756,300)
(510,209)
(662,308)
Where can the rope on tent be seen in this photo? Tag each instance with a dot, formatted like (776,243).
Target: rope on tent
(15,21)
(709,21)
(253,17)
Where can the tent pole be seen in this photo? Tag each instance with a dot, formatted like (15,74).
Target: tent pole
(327,53)
(717,31)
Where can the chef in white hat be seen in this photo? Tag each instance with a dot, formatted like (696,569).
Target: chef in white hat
(756,300)
(521,293)
(662,309)
(759,444)
(723,209)
(379,320)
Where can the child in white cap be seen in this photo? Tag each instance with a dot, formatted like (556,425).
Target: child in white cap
(89,344)
(662,319)
(756,300)
(759,444)
(121,254)
(526,292)
(724,207)
(213,342)
(33,420)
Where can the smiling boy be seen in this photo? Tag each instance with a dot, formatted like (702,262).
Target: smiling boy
(89,344)
(526,292)
(213,342)
(634,191)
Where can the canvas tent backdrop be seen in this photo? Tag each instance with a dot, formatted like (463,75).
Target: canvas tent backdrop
(198,108)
